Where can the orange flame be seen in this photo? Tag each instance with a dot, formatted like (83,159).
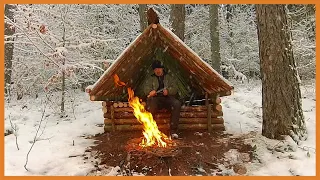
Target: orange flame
(153,136)
(117,81)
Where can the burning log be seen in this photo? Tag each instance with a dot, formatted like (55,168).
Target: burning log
(216,127)
(166,120)
(127,115)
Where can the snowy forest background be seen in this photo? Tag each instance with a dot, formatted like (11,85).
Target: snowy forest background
(83,40)
(56,47)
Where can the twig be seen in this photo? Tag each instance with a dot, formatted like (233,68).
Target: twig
(15,131)
(39,139)
(277,144)
(307,148)
(36,136)
(73,100)
(32,42)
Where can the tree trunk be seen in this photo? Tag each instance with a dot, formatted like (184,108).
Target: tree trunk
(8,31)
(281,96)
(229,16)
(177,19)
(143,17)
(63,87)
(214,34)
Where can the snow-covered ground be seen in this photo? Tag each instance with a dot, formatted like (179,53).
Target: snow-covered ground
(64,137)
(243,114)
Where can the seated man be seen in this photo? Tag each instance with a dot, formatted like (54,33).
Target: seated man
(161,92)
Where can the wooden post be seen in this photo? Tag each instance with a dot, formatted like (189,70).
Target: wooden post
(208,112)
(112,118)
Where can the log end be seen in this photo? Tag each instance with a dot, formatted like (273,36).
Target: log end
(219,108)
(92,98)
(152,17)
(218,100)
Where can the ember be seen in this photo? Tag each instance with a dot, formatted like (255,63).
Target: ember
(152,135)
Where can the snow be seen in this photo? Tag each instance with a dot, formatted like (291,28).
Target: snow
(242,115)
(51,156)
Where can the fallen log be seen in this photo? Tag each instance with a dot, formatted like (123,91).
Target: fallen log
(166,120)
(216,127)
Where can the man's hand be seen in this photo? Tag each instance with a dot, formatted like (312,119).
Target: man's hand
(165,92)
(152,93)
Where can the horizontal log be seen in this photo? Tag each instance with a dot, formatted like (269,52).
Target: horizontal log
(98,98)
(167,120)
(183,109)
(216,127)
(88,90)
(104,110)
(218,108)
(93,98)
(106,103)
(218,100)
(127,115)
(115,105)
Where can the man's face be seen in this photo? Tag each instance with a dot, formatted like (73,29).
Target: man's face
(158,71)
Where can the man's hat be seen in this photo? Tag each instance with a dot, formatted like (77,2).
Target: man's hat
(157,64)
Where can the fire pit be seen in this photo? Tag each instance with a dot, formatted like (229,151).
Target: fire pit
(173,148)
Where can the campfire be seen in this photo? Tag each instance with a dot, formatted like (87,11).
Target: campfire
(153,137)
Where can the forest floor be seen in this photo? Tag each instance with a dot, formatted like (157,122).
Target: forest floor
(203,154)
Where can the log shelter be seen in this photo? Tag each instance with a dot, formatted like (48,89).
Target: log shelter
(199,85)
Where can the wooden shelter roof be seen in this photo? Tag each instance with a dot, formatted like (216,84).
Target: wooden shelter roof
(134,64)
